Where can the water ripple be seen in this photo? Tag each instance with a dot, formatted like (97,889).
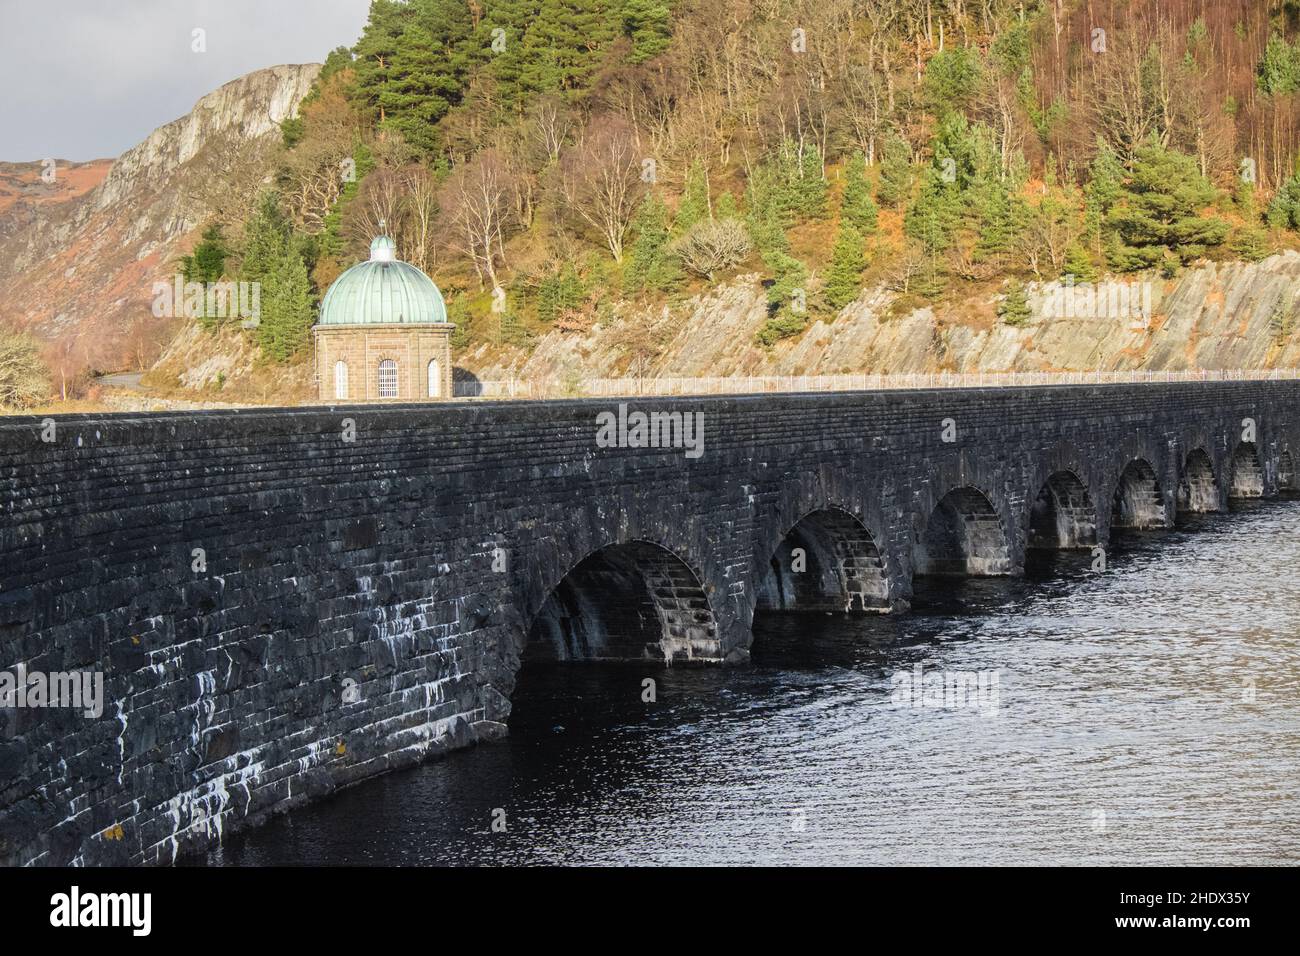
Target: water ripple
(1147,715)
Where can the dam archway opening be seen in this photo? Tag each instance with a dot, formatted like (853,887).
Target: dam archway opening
(1139,504)
(626,602)
(1286,476)
(1062,521)
(1063,516)
(1198,492)
(963,537)
(827,562)
(1247,475)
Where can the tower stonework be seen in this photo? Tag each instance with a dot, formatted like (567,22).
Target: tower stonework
(383,334)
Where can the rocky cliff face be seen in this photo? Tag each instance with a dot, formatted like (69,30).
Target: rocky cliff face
(80,272)
(1215,316)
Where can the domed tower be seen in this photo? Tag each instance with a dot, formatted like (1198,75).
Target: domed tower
(383,333)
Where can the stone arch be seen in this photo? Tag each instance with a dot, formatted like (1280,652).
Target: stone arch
(433,376)
(1138,502)
(827,561)
(1063,515)
(963,535)
(341,392)
(1246,472)
(1198,490)
(388,383)
(631,601)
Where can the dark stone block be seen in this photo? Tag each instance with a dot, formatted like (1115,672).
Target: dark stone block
(363,533)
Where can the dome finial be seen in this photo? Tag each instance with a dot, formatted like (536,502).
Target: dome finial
(382,249)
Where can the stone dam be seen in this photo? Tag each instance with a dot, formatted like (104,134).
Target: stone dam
(282,602)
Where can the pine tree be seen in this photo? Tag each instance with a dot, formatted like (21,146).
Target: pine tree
(339,58)
(512,331)
(1079,264)
(375,51)
(266,239)
(207,263)
(857,206)
(332,240)
(810,186)
(895,186)
(558,293)
(790,277)
(1284,210)
(1249,240)
(1105,187)
(998,218)
(459,315)
(499,42)
(952,78)
(286,317)
(1158,220)
(844,280)
(427,70)
(1278,71)
(933,218)
(785,298)
(650,264)
(1014,308)
(727,207)
(561,46)
(767,207)
(695,200)
(648,24)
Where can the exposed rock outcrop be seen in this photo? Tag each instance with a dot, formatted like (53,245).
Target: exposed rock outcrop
(82,271)
(1213,316)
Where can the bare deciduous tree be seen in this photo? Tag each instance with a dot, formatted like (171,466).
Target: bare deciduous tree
(318,167)
(549,127)
(713,245)
(477,201)
(421,217)
(643,337)
(381,203)
(601,180)
(24,376)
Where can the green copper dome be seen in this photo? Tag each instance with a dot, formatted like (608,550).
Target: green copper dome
(382,291)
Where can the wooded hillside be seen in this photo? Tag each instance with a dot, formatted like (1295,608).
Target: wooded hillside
(544,160)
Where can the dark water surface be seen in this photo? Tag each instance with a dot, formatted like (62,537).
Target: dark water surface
(1125,732)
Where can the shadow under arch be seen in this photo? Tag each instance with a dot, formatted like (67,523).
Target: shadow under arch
(1246,474)
(1138,503)
(963,536)
(631,601)
(1063,515)
(1286,476)
(1198,491)
(828,561)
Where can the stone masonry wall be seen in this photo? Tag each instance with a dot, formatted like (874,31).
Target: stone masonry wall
(279,611)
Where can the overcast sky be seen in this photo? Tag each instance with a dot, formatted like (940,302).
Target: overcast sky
(84,79)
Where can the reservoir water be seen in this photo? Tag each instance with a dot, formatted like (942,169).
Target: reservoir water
(1148,714)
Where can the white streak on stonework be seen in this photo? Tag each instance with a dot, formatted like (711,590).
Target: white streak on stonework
(121,738)
(312,757)
(206,804)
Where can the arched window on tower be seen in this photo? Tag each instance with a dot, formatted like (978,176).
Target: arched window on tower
(387,379)
(435,382)
(340,379)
